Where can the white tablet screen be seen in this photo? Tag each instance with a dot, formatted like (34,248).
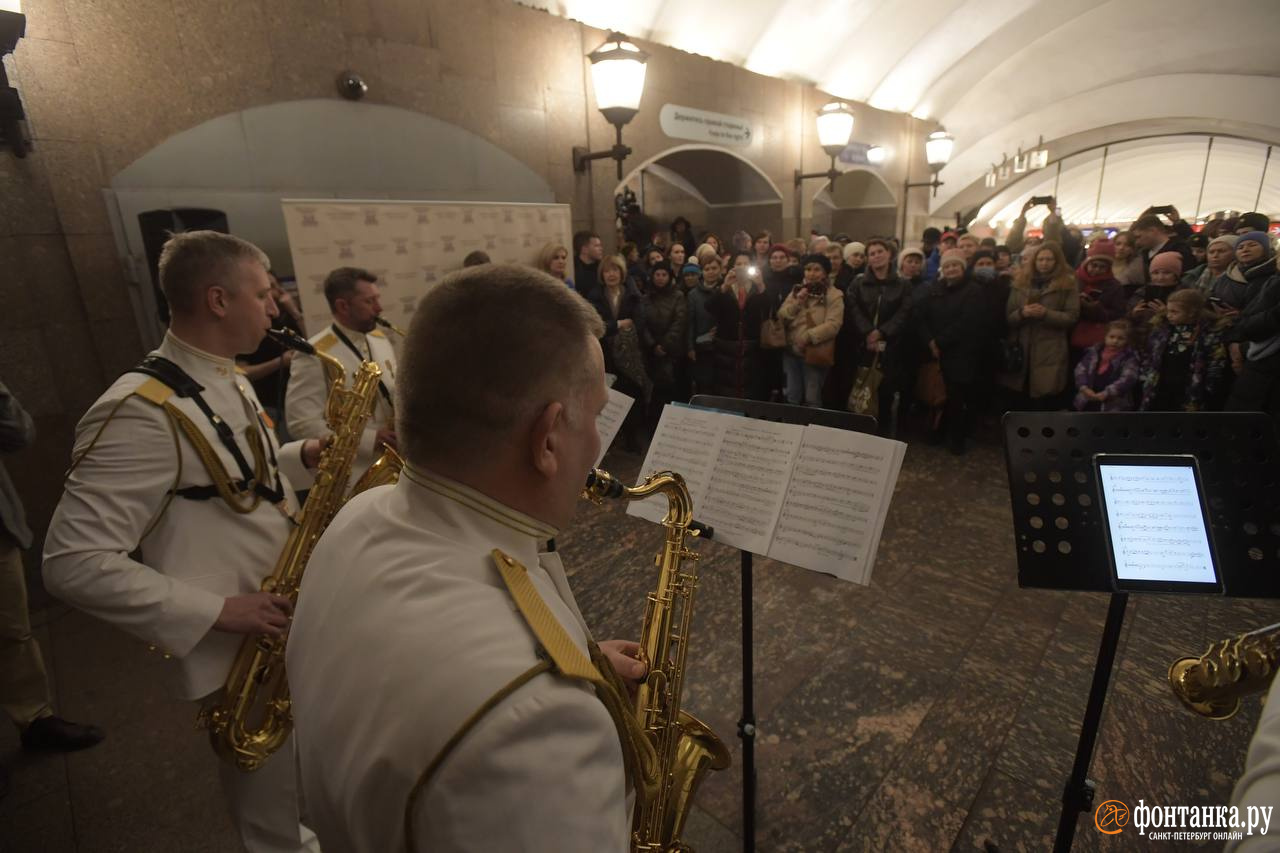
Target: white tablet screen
(1156,523)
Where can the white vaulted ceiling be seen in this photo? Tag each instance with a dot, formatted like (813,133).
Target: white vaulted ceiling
(998,74)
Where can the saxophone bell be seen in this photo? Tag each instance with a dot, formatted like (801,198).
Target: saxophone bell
(1212,685)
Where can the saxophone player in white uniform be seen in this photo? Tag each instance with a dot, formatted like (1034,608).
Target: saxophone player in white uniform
(387,664)
(352,337)
(181,462)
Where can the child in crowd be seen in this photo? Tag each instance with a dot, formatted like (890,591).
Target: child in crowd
(1186,357)
(1108,373)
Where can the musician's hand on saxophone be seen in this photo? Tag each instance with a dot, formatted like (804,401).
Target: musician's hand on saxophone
(624,657)
(312,449)
(254,613)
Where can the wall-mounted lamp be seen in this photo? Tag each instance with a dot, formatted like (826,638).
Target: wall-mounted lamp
(876,155)
(835,126)
(617,74)
(937,153)
(13,26)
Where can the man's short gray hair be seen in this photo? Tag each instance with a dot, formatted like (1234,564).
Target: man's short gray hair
(193,261)
(488,348)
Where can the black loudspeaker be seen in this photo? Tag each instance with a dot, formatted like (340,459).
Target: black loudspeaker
(157,225)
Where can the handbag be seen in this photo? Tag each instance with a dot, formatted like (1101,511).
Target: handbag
(773,335)
(821,355)
(864,399)
(930,387)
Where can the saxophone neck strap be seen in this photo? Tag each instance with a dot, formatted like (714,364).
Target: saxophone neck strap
(179,382)
(342,336)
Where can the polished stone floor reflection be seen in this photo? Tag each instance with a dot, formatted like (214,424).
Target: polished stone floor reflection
(936,709)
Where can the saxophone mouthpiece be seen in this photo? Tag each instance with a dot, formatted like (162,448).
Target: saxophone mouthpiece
(603,484)
(289,339)
(389,326)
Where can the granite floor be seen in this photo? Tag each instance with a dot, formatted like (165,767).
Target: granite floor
(935,709)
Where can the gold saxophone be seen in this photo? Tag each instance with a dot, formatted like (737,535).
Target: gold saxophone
(1212,684)
(253,717)
(685,747)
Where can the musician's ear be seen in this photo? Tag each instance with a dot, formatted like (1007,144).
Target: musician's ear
(546,435)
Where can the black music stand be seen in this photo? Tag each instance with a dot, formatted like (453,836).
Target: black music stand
(1059,526)
(787,414)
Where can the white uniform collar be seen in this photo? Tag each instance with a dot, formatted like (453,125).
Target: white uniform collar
(194,360)
(478,516)
(352,334)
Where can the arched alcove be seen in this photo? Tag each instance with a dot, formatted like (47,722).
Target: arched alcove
(861,204)
(714,188)
(245,163)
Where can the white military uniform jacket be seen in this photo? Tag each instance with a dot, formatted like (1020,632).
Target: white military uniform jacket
(403,629)
(198,552)
(307,391)
(1260,784)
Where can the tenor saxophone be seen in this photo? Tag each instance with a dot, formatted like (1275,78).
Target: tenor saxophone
(253,718)
(686,748)
(1212,684)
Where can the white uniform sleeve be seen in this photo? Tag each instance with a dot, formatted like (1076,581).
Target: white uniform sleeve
(542,772)
(108,502)
(289,458)
(1260,785)
(305,398)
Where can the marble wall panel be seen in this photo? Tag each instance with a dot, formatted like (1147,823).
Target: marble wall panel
(100,277)
(76,178)
(26,205)
(56,88)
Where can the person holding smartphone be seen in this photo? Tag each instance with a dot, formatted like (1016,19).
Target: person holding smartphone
(1044,303)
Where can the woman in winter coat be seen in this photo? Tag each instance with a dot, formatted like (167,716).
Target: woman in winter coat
(621,307)
(1044,303)
(1128,268)
(663,334)
(952,323)
(877,309)
(1101,297)
(1256,331)
(812,315)
(701,325)
(739,310)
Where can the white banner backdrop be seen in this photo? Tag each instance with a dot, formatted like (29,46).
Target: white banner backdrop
(409,245)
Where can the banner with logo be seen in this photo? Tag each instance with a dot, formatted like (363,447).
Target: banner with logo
(409,245)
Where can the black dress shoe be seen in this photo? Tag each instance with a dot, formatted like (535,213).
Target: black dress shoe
(54,734)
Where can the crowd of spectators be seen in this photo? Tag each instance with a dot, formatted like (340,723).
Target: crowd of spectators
(1158,317)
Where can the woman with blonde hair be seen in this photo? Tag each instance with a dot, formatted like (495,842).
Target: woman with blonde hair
(1043,306)
(554,260)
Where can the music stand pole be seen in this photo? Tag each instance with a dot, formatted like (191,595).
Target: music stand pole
(747,724)
(1077,797)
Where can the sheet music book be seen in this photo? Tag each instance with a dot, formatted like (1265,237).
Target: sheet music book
(609,421)
(812,496)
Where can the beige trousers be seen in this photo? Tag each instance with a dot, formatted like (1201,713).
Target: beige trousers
(24,686)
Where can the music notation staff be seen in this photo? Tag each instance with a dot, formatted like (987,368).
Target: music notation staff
(1156,523)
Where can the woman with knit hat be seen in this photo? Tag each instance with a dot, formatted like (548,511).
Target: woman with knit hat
(1166,275)
(855,257)
(1101,298)
(1213,278)
(1043,305)
(1257,330)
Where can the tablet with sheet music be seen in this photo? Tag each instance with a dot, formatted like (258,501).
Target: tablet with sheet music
(1156,521)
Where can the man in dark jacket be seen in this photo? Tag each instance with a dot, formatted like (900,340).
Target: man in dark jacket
(1153,237)
(24,685)
(588,249)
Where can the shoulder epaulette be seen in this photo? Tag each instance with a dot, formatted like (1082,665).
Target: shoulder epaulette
(326,343)
(376,333)
(154,391)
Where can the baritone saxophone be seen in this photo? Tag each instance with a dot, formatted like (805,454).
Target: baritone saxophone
(685,747)
(1213,684)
